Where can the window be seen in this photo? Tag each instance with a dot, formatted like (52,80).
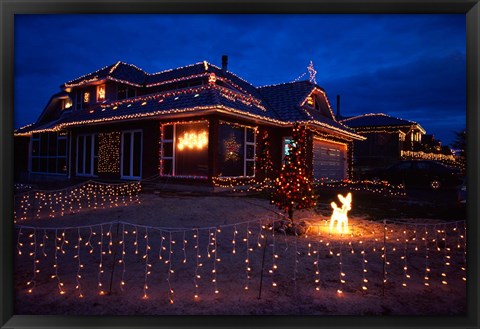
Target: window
(66,103)
(286,146)
(184,149)
(49,153)
(87,155)
(236,151)
(101,93)
(131,158)
(125,92)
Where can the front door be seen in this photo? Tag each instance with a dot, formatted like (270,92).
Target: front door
(131,164)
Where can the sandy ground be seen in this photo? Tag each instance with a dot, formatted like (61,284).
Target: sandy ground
(165,235)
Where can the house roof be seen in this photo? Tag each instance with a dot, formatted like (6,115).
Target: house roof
(279,104)
(372,120)
(120,71)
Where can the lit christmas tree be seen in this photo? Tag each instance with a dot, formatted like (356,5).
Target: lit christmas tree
(264,158)
(293,187)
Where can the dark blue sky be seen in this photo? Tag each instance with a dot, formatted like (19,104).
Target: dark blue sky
(408,66)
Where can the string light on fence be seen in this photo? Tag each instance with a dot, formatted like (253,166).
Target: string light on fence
(427,257)
(32,283)
(80,265)
(170,271)
(248,269)
(147,265)
(122,259)
(100,265)
(55,266)
(364,267)
(197,264)
(404,258)
(274,256)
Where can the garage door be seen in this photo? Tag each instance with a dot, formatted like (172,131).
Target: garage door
(329,160)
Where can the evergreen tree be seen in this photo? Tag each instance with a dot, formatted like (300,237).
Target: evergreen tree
(264,159)
(293,186)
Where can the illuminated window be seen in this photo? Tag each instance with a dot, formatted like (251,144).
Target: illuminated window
(49,153)
(236,151)
(287,141)
(66,103)
(184,149)
(100,93)
(87,155)
(86,97)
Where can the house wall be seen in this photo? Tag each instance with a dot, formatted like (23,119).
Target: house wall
(150,145)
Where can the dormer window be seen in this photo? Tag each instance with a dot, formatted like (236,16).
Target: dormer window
(310,101)
(100,93)
(124,92)
(66,103)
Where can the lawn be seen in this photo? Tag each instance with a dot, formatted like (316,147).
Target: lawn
(143,258)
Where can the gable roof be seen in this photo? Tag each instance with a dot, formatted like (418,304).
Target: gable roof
(281,104)
(372,120)
(120,72)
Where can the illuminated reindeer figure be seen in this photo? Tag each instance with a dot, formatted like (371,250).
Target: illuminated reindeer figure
(339,215)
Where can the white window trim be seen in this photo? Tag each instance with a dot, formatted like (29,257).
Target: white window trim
(93,156)
(168,141)
(245,160)
(132,132)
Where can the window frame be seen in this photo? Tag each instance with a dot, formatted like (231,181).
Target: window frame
(173,141)
(92,157)
(60,136)
(132,132)
(245,143)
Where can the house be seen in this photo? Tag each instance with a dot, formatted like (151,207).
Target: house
(387,139)
(191,124)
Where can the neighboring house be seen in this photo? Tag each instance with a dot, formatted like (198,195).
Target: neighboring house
(387,138)
(191,124)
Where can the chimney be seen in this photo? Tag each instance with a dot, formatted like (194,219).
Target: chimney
(339,117)
(224,62)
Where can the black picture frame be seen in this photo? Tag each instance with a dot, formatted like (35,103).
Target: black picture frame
(8,9)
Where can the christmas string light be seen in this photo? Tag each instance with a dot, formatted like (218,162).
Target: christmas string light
(100,265)
(147,265)
(274,256)
(364,267)
(122,259)
(446,257)
(342,274)
(427,257)
(197,264)
(398,234)
(170,271)
(44,238)
(55,266)
(316,263)
(247,258)
(19,244)
(184,248)
(80,265)
(215,260)
(162,247)
(32,282)
(235,232)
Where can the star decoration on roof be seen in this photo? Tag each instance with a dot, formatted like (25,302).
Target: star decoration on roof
(312,72)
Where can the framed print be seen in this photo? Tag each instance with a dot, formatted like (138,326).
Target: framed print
(210,163)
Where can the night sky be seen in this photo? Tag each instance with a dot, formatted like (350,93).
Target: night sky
(407,66)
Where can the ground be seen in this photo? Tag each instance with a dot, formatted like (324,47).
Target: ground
(163,235)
